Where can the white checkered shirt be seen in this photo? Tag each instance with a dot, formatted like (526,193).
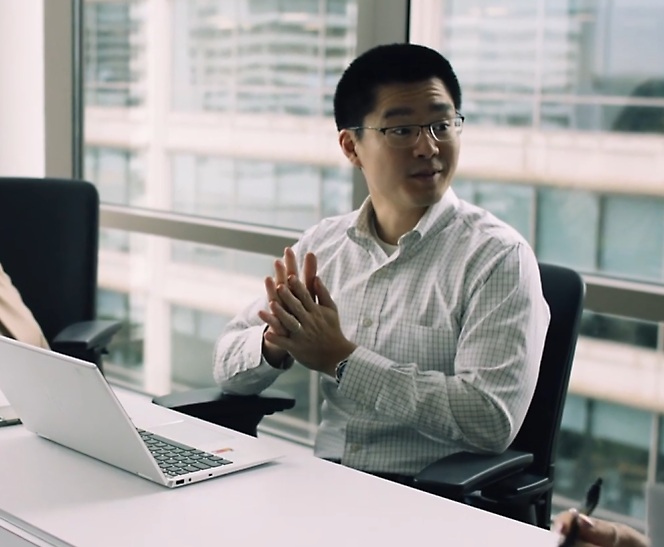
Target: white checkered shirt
(450,330)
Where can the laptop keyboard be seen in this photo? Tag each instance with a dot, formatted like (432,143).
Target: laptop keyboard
(176,459)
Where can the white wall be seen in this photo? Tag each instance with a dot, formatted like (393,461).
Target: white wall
(22,120)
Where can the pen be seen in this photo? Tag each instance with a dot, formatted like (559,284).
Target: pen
(589,505)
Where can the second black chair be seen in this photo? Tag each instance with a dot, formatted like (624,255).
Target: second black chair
(48,246)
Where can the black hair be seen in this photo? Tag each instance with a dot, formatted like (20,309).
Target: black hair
(356,92)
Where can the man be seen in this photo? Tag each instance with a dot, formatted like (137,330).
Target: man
(16,320)
(423,313)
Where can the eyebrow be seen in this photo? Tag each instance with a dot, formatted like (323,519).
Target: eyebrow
(406,111)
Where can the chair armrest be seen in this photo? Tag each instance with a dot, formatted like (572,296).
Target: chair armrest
(517,487)
(460,474)
(239,412)
(86,336)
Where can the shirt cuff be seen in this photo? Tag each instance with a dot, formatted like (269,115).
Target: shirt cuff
(365,376)
(264,370)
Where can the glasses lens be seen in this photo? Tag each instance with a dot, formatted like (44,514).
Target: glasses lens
(402,136)
(446,129)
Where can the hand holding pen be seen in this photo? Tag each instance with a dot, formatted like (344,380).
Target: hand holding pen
(579,530)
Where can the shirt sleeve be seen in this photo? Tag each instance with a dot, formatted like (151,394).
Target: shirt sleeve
(483,404)
(239,365)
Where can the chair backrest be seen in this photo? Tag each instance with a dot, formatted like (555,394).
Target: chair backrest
(49,231)
(564,291)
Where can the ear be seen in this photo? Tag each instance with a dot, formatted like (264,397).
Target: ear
(348,143)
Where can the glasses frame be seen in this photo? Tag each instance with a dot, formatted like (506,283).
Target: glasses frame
(420,127)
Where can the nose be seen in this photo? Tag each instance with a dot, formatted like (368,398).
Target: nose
(425,146)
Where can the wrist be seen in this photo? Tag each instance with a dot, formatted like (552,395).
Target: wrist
(274,355)
(340,357)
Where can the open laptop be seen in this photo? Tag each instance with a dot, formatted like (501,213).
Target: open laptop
(68,401)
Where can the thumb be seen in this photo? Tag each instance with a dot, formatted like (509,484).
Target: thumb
(324,298)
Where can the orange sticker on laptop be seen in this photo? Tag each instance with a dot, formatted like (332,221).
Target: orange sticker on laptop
(222,450)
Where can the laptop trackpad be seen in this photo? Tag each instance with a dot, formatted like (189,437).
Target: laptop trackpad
(190,433)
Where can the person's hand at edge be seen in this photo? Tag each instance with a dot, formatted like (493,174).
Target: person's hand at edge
(594,532)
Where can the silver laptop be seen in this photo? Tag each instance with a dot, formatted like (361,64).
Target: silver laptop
(68,401)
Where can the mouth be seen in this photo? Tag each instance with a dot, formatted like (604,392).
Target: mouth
(427,175)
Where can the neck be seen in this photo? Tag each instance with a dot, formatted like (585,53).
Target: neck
(390,226)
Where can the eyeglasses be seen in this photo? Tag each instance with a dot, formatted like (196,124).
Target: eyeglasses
(404,136)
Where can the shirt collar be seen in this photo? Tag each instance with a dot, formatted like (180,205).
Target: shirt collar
(437,216)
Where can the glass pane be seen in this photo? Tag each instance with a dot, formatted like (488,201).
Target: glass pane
(505,112)
(601,439)
(119,174)
(599,117)
(238,125)
(114,46)
(567,226)
(628,220)
(601,47)
(125,353)
(512,204)
(193,334)
(619,329)
(294,195)
(492,44)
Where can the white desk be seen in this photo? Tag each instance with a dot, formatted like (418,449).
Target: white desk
(64,498)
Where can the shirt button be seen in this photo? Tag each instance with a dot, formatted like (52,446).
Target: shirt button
(367,322)
(355,448)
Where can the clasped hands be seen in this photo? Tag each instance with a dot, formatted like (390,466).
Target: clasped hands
(302,320)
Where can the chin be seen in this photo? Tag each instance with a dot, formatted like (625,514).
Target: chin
(433,196)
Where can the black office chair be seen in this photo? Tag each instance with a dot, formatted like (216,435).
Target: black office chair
(48,246)
(241,413)
(519,482)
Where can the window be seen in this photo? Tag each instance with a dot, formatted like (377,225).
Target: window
(210,109)
(260,57)
(628,219)
(193,334)
(567,227)
(564,132)
(290,195)
(601,439)
(125,352)
(114,54)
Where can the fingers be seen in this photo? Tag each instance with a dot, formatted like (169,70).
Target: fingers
(271,289)
(297,290)
(273,323)
(290,262)
(598,532)
(324,298)
(280,272)
(294,303)
(564,521)
(309,273)
(289,321)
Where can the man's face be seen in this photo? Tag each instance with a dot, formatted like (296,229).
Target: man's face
(405,180)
